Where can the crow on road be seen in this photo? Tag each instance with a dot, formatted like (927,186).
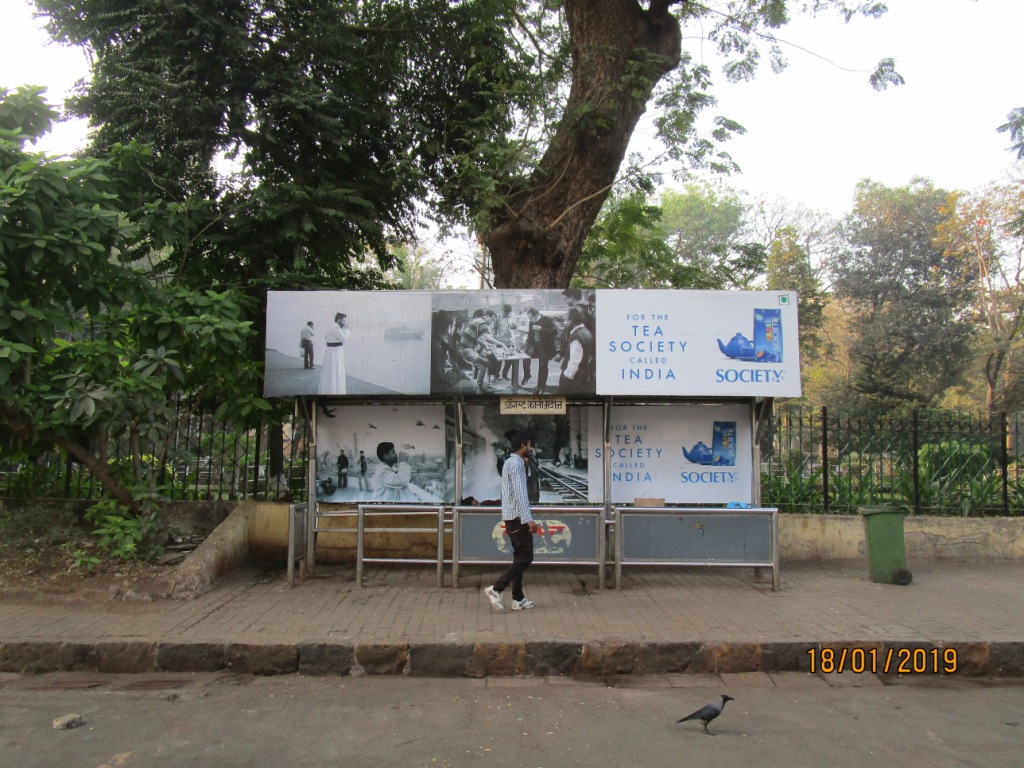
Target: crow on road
(707,713)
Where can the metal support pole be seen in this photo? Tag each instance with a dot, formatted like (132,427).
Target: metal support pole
(440,546)
(606,462)
(760,414)
(456,548)
(360,544)
(312,507)
(458,450)
(618,548)
(776,575)
(916,466)
(824,457)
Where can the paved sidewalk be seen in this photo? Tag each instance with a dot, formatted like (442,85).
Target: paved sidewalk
(664,620)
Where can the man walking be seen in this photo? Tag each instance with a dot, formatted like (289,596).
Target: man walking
(519,525)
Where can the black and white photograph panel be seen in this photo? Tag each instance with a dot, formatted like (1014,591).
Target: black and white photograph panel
(392,454)
(513,342)
(335,343)
(557,465)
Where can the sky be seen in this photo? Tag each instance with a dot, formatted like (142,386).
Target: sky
(816,129)
(813,131)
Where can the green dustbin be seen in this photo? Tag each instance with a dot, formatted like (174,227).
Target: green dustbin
(883,534)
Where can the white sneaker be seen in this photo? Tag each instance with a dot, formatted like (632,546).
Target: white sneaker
(495,597)
(522,605)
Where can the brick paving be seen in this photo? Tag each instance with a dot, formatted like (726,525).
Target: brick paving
(663,620)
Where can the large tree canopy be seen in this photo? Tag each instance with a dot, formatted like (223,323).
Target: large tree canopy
(910,297)
(339,115)
(510,116)
(92,338)
(982,231)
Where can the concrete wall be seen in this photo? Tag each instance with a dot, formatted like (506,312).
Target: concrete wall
(226,548)
(269,538)
(261,531)
(801,537)
(824,537)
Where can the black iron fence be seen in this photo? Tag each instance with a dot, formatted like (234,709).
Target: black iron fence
(814,460)
(931,462)
(204,460)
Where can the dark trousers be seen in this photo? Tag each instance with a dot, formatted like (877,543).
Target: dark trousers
(542,374)
(307,354)
(522,556)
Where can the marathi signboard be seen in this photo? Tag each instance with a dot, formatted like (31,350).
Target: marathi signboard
(532,342)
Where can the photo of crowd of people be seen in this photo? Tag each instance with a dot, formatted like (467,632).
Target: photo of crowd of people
(338,343)
(532,342)
(529,342)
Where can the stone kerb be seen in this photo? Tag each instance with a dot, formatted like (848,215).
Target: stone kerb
(438,659)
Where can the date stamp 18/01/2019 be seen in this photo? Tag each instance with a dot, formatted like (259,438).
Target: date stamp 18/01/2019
(896,661)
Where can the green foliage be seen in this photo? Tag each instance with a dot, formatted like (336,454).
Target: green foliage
(625,248)
(1014,125)
(793,488)
(417,270)
(348,119)
(859,486)
(959,476)
(30,480)
(789,269)
(81,558)
(93,338)
(953,459)
(694,239)
(982,233)
(339,115)
(123,533)
(911,336)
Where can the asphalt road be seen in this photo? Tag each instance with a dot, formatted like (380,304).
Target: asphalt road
(227,720)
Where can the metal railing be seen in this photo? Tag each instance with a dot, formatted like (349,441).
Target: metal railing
(818,460)
(206,460)
(564,538)
(398,510)
(726,538)
(297,541)
(930,462)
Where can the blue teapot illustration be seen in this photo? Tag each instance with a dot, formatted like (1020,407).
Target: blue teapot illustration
(699,454)
(739,347)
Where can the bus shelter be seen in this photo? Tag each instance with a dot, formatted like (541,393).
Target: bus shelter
(645,408)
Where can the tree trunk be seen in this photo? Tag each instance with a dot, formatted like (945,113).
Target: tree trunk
(619,52)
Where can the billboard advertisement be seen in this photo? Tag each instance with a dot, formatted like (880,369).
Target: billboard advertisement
(684,454)
(698,343)
(392,454)
(538,342)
